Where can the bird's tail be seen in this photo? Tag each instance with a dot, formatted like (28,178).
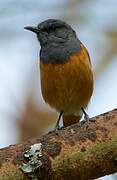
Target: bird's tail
(70,119)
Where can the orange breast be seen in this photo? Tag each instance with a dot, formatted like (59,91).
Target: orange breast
(68,86)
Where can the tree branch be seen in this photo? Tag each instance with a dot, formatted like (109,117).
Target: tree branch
(81,151)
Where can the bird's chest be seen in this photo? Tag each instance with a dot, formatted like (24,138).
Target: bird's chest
(68,83)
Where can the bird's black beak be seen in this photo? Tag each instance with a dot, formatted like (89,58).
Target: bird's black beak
(33,29)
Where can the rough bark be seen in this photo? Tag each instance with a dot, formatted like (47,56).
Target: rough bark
(81,151)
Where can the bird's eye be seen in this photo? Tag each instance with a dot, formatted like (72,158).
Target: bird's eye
(49,29)
(53,28)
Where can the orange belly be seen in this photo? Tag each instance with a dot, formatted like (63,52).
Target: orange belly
(68,86)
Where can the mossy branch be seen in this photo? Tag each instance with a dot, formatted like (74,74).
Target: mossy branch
(81,152)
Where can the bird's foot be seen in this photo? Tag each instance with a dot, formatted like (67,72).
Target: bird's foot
(57,127)
(86,117)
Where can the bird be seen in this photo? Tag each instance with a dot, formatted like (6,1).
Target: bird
(65,69)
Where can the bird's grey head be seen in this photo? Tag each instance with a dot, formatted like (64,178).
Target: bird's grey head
(57,37)
(52,30)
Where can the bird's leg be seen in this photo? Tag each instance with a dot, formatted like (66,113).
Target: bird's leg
(58,120)
(86,116)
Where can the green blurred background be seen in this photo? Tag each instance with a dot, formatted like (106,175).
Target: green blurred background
(23,113)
